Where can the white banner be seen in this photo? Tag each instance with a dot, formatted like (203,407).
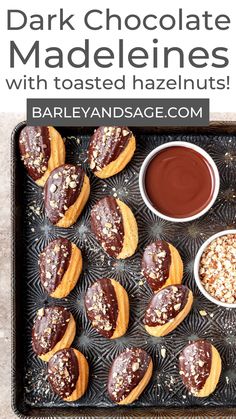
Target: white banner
(118,49)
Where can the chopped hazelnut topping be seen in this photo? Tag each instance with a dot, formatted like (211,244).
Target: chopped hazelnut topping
(53,188)
(135,366)
(127,371)
(73,184)
(106,144)
(63,372)
(195,365)
(40,312)
(156,263)
(54,261)
(92,164)
(102,307)
(218,268)
(165,305)
(34,145)
(107,224)
(163,352)
(49,327)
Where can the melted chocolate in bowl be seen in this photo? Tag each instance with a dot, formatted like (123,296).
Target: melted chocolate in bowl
(179,182)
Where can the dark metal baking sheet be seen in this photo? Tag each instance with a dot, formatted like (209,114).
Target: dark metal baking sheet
(165,396)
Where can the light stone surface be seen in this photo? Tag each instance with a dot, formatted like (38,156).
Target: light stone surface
(7,123)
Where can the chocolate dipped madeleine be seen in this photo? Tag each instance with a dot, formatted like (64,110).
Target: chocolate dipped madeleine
(200,368)
(162,265)
(54,328)
(68,373)
(115,227)
(42,149)
(65,194)
(130,373)
(167,309)
(110,150)
(60,266)
(107,307)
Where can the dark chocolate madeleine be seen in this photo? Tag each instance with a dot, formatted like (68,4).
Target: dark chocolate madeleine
(54,262)
(115,227)
(68,374)
(60,266)
(110,149)
(42,150)
(200,367)
(53,329)
(107,307)
(161,265)
(65,194)
(167,309)
(129,375)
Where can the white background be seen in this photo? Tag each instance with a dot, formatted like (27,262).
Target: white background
(220,101)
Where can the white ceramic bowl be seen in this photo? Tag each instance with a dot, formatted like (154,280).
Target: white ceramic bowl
(178,144)
(197,265)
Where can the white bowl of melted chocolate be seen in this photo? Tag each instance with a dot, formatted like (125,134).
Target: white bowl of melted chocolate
(179,181)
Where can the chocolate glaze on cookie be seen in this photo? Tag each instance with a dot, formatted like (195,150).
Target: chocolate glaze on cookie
(166,305)
(34,144)
(195,365)
(106,144)
(62,190)
(156,263)
(49,328)
(126,372)
(63,372)
(54,262)
(107,225)
(102,307)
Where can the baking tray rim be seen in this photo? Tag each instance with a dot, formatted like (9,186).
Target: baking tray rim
(214,127)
